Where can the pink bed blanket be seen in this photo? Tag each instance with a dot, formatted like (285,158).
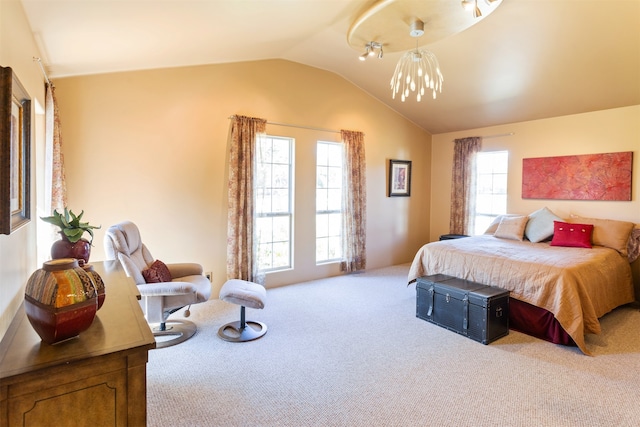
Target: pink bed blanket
(577,285)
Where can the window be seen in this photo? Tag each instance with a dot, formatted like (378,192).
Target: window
(273,195)
(329,159)
(491,190)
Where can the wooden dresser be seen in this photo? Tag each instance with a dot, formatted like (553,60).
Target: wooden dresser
(96,379)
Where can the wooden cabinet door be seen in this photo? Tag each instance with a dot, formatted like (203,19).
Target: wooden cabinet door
(95,401)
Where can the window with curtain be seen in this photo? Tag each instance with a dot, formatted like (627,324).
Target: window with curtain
(274,201)
(491,188)
(329,171)
(260,196)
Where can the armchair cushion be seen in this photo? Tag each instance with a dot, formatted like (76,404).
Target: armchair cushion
(156,273)
(167,289)
(183,269)
(198,286)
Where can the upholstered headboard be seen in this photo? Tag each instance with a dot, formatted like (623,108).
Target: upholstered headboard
(635,265)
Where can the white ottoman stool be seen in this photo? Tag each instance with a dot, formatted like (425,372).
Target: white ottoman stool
(245,294)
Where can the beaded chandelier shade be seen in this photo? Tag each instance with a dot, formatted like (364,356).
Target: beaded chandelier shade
(417,71)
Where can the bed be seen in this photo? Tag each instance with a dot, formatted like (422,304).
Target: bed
(557,292)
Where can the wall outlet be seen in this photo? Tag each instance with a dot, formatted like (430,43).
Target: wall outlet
(208,275)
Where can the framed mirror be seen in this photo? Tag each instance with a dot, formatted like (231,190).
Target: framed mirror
(15,153)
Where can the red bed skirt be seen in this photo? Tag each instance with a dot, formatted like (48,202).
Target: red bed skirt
(537,322)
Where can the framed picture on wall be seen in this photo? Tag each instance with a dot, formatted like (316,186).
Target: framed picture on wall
(15,157)
(399,178)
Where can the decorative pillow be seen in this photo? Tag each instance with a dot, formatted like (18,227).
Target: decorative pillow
(496,222)
(158,272)
(633,247)
(540,225)
(511,227)
(572,235)
(608,232)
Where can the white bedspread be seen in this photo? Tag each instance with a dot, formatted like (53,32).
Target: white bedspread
(577,285)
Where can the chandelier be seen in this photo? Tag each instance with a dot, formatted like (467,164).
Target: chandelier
(417,71)
(384,25)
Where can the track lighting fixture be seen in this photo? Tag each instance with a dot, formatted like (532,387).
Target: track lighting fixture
(472,5)
(372,49)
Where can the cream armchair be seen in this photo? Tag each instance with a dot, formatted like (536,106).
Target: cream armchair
(172,287)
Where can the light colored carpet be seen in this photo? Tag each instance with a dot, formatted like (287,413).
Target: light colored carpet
(349,351)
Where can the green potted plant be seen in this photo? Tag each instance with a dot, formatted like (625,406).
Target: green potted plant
(72,229)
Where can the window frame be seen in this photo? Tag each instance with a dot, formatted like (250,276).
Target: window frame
(274,214)
(493,213)
(340,211)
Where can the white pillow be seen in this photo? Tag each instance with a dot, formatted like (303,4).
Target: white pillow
(540,225)
(511,227)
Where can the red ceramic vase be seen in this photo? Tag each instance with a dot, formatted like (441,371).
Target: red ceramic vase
(60,300)
(99,284)
(79,250)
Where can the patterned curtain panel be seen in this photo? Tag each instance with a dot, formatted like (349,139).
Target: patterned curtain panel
(354,201)
(55,169)
(242,262)
(463,184)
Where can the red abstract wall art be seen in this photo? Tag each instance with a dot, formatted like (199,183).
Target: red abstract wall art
(604,176)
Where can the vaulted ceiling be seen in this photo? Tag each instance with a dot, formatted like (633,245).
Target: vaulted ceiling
(527,60)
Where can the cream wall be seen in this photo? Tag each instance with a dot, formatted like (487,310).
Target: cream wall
(151,147)
(597,132)
(18,250)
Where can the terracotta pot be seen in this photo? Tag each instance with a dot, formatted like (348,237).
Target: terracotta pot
(61,300)
(63,248)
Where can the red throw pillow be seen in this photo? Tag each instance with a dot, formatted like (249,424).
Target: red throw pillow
(157,272)
(572,235)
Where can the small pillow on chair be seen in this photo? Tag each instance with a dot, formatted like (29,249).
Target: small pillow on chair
(158,272)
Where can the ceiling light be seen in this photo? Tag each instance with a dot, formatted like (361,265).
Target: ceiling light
(468,4)
(364,56)
(472,6)
(371,49)
(476,11)
(417,71)
(417,28)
